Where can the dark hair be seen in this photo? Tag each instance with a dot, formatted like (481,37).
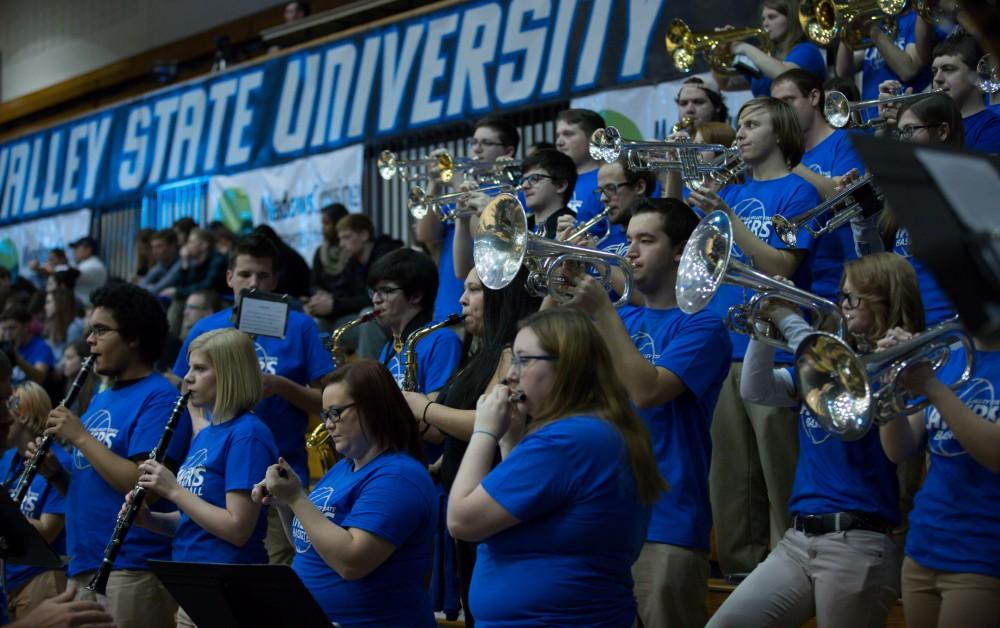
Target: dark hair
(588,121)
(16,312)
(255,245)
(507,131)
(66,278)
(60,253)
(334,212)
(221,231)
(804,80)
(184,225)
(212,298)
(938,109)
(358,223)
(167,235)
(6,370)
(677,219)
(718,103)
(537,146)
(845,86)
(138,314)
(415,272)
(962,45)
(634,176)
(556,165)
(303,6)
(386,418)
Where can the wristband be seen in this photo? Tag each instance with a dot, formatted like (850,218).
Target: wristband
(423,417)
(426,427)
(490,434)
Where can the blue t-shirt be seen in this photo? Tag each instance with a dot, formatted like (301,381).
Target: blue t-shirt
(834,475)
(875,69)
(955,522)
(805,55)
(41,498)
(568,562)
(35,351)
(982,132)
(696,348)
(230,456)
(393,498)
(299,356)
(756,202)
(438,354)
(129,419)
(585,203)
(937,305)
(616,242)
(450,287)
(832,157)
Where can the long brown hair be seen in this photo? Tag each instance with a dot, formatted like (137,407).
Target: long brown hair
(887,283)
(586,382)
(794,34)
(57,325)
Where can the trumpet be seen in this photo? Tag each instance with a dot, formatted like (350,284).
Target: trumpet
(410,372)
(608,145)
(390,166)
(683,45)
(504,170)
(504,244)
(861,198)
(841,112)
(684,125)
(707,263)
(420,203)
(987,75)
(848,392)
(581,229)
(937,12)
(824,20)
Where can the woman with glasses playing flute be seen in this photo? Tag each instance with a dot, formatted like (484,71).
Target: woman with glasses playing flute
(564,515)
(837,562)
(371,518)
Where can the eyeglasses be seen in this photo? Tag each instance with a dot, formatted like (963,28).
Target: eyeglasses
(610,189)
(517,362)
(473,142)
(383,291)
(533,179)
(850,300)
(906,133)
(333,414)
(101,330)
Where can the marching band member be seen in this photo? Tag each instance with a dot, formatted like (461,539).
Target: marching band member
(547,183)
(751,441)
(791,49)
(708,133)
(700,101)
(672,365)
(837,562)
(576,460)
(371,518)
(574,128)
(217,522)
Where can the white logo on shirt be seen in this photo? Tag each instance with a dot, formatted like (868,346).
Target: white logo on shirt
(618,249)
(818,169)
(902,243)
(646,346)
(321,499)
(192,475)
(980,397)
(874,57)
(268,364)
(817,435)
(99,426)
(756,218)
(29,502)
(575,204)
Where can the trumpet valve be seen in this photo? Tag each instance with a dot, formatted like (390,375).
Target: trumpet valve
(787,232)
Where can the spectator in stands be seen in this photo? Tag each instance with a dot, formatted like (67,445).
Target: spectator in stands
(293,276)
(199,305)
(30,356)
(62,325)
(537,146)
(93,274)
(166,270)
(574,127)
(142,244)
(183,228)
(56,260)
(224,237)
(329,259)
(72,360)
(296,11)
(201,267)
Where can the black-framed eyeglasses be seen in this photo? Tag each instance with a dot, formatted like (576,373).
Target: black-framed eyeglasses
(101,330)
(850,300)
(905,133)
(334,414)
(383,291)
(473,142)
(534,179)
(517,362)
(610,189)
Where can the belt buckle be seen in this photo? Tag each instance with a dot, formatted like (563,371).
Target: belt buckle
(811,525)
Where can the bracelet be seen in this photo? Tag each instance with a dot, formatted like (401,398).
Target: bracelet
(426,427)
(490,434)
(423,417)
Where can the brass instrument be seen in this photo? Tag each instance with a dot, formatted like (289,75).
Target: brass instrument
(502,171)
(608,145)
(937,12)
(707,263)
(683,45)
(504,244)
(391,166)
(410,374)
(987,75)
(861,198)
(848,392)
(823,21)
(841,112)
(420,203)
(684,125)
(604,216)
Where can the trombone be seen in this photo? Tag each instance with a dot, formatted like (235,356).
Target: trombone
(860,198)
(420,203)
(504,243)
(608,145)
(390,165)
(824,20)
(707,263)
(683,45)
(841,112)
(848,392)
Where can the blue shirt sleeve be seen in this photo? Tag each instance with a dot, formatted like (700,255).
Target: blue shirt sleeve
(703,341)
(248,459)
(440,359)
(317,359)
(808,57)
(55,502)
(391,507)
(150,424)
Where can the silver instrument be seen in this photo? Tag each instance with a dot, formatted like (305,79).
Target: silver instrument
(861,198)
(707,263)
(420,203)
(841,112)
(582,229)
(391,166)
(684,157)
(848,393)
(504,243)
(987,75)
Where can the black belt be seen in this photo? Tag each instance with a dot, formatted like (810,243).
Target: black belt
(839,522)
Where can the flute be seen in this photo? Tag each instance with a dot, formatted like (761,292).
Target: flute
(35,463)
(99,583)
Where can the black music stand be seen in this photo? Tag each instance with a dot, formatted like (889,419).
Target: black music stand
(240,596)
(20,542)
(947,200)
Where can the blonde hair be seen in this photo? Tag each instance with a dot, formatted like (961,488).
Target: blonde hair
(794,34)
(237,371)
(785,124)
(717,133)
(888,284)
(33,406)
(585,382)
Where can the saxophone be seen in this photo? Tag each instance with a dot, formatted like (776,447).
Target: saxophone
(410,375)
(318,439)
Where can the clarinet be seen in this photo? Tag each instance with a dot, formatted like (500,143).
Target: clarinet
(99,583)
(35,463)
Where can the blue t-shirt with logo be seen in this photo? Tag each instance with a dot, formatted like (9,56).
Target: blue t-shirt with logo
(299,356)
(697,349)
(982,132)
(225,457)
(128,419)
(35,351)
(955,522)
(937,305)
(438,354)
(756,203)
(616,242)
(875,69)
(568,561)
(393,498)
(805,55)
(584,202)
(41,498)
(450,287)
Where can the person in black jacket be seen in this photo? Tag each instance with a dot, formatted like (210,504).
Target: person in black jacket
(293,278)
(328,260)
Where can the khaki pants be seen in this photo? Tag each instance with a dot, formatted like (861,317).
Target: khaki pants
(754,452)
(136,599)
(40,588)
(671,584)
(184,620)
(933,598)
(279,549)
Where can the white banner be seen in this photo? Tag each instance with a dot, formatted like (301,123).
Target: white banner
(32,240)
(289,197)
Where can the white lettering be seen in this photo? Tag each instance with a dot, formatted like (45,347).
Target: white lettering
(219,95)
(19,155)
(97,139)
(642,17)
(136,142)
(363,90)
(557,47)
(593,44)
(482,24)
(76,135)
(425,107)
(163,111)
(3,172)
(187,134)
(236,152)
(285,139)
(31,202)
(338,72)
(50,197)
(395,72)
(510,88)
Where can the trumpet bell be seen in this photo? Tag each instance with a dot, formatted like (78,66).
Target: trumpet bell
(386,163)
(836,385)
(502,242)
(678,45)
(837,109)
(704,262)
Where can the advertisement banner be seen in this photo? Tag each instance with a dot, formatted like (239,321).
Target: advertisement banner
(32,241)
